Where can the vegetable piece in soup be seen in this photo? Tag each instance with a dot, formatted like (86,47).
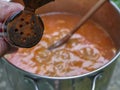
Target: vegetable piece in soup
(87,50)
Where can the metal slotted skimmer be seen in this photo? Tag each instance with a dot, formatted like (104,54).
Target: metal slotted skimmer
(25,28)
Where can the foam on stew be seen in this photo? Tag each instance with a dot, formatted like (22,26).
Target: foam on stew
(87,50)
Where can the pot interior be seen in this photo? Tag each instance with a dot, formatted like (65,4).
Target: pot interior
(107,16)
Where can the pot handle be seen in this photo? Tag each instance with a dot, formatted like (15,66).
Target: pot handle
(33,82)
(98,76)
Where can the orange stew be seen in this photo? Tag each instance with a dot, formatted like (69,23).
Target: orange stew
(87,50)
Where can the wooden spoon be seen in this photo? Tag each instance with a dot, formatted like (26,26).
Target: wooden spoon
(82,21)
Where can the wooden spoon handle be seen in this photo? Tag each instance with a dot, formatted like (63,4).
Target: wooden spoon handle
(88,15)
(82,21)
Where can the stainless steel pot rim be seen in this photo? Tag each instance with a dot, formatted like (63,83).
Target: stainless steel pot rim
(71,77)
(117,8)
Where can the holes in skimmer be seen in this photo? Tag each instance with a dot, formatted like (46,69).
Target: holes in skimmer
(27,23)
(21,33)
(20,25)
(22,19)
(16,30)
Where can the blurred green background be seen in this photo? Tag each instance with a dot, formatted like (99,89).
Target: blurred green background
(117,2)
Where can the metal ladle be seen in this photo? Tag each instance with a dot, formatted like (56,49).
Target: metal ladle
(25,28)
(82,21)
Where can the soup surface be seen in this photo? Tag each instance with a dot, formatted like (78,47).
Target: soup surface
(87,50)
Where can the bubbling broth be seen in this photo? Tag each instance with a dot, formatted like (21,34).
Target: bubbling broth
(87,50)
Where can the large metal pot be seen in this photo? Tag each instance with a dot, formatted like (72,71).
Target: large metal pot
(107,16)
